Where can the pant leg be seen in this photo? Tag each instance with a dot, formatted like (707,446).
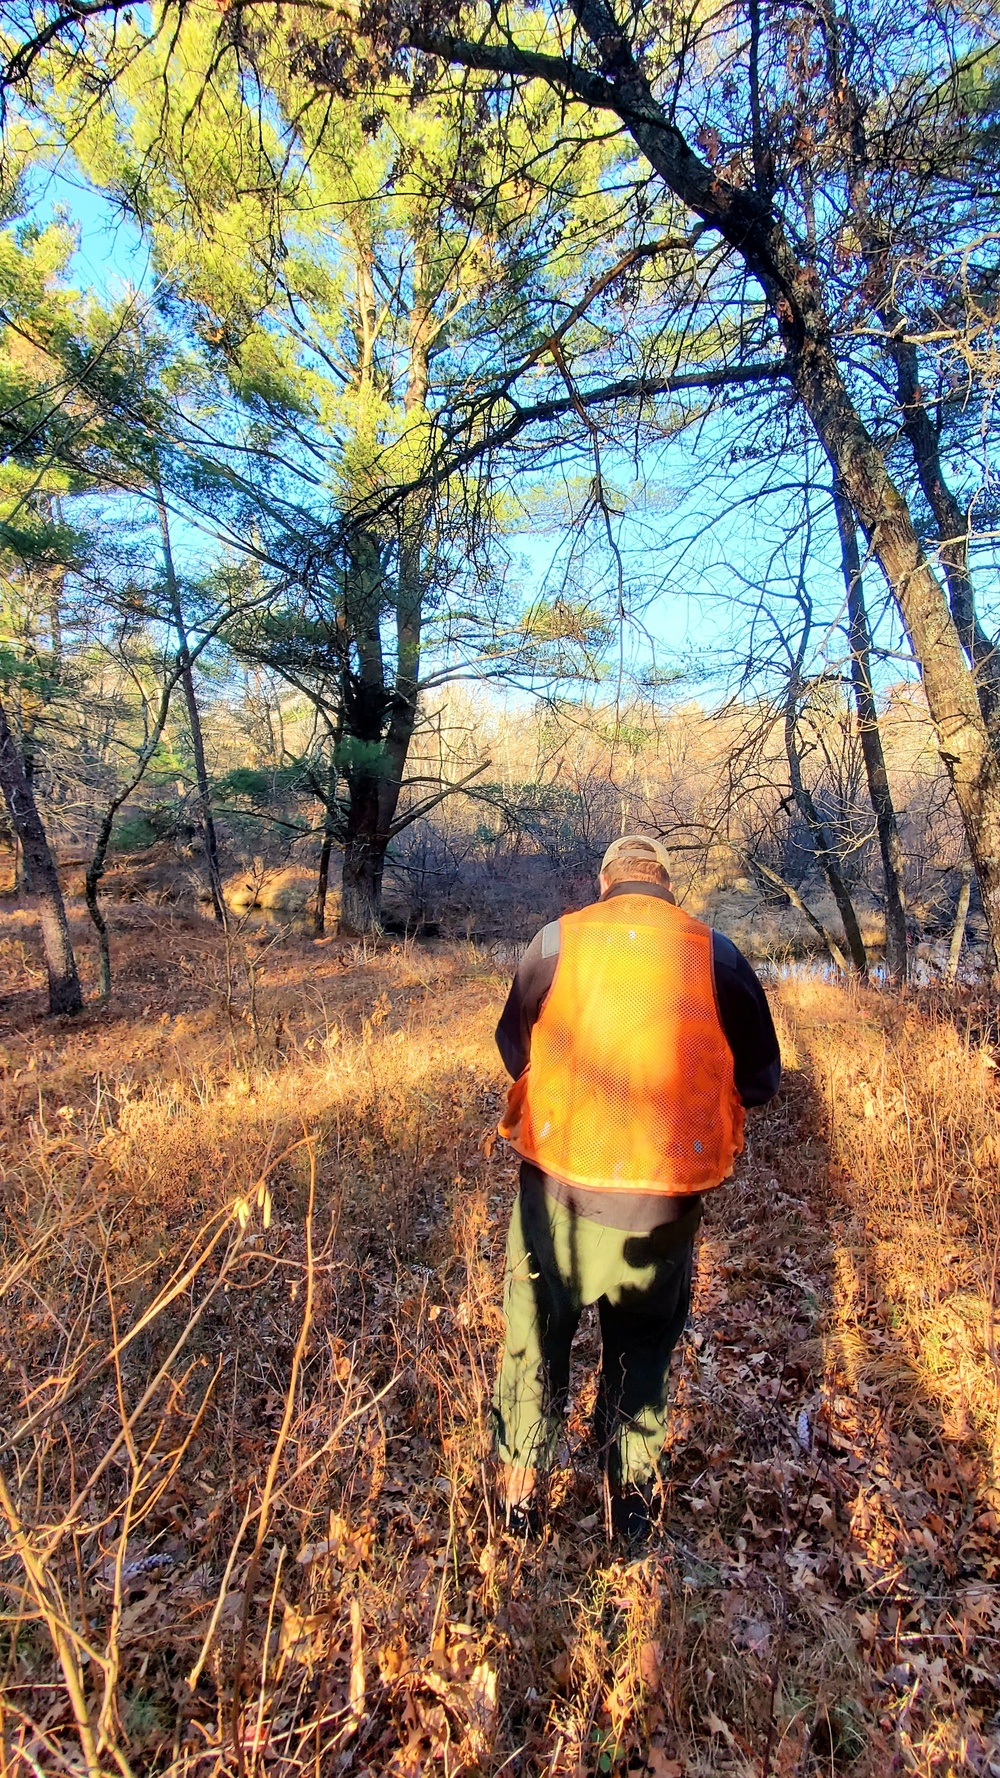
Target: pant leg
(642,1318)
(542,1309)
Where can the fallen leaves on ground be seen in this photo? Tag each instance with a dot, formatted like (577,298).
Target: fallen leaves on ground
(823,1593)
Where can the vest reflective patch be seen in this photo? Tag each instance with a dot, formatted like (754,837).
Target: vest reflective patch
(550,939)
(630,1084)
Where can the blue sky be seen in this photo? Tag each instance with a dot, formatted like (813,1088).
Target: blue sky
(111,256)
(684,559)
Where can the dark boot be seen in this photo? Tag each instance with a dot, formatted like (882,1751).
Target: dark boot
(632,1516)
(521,1521)
(523,1517)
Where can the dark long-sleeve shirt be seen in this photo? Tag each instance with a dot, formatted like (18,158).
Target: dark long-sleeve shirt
(746,1022)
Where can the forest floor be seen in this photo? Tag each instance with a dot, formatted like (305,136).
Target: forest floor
(252,1255)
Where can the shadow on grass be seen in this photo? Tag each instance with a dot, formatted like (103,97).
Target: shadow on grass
(821,1595)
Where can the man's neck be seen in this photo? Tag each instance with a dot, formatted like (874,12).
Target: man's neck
(657,890)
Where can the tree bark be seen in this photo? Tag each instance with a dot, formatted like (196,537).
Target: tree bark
(194,717)
(958,930)
(871,744)
(364,864)
(42,877)
(326,850)
(791,288)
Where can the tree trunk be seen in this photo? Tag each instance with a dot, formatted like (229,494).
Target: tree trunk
(380,711)
(323,881)
(22,884)
(871,744)
(831,869)
(204,795)
(958,930)
(95,869)
(42,877)
(329,835)
(194,718)
(361,886)
(365,699)
(951,523)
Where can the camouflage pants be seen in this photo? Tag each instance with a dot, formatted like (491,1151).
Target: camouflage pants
(557,1263)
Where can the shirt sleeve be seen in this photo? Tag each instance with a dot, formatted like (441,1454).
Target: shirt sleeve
(747,1023)
(535,975)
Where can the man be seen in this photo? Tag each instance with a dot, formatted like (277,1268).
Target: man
(635,1036)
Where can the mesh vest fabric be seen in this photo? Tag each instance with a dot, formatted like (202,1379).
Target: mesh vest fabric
(630,1083)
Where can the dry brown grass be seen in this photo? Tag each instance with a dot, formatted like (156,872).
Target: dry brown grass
(911,1105)
(252,1258)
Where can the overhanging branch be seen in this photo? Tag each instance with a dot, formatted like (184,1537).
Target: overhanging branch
(768,370)
(432,802)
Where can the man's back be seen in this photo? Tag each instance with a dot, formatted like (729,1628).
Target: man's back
(635,1035)
(631,1081)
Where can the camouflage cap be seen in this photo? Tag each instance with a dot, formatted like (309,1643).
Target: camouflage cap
(636,845)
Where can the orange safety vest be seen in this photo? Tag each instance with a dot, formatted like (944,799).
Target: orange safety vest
(630,1084)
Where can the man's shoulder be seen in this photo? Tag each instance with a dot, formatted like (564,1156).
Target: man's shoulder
(729,961)
(724,950)
(542,950)
(551,933)
(547,943)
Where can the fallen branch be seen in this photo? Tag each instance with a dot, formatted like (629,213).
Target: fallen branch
(797,902)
